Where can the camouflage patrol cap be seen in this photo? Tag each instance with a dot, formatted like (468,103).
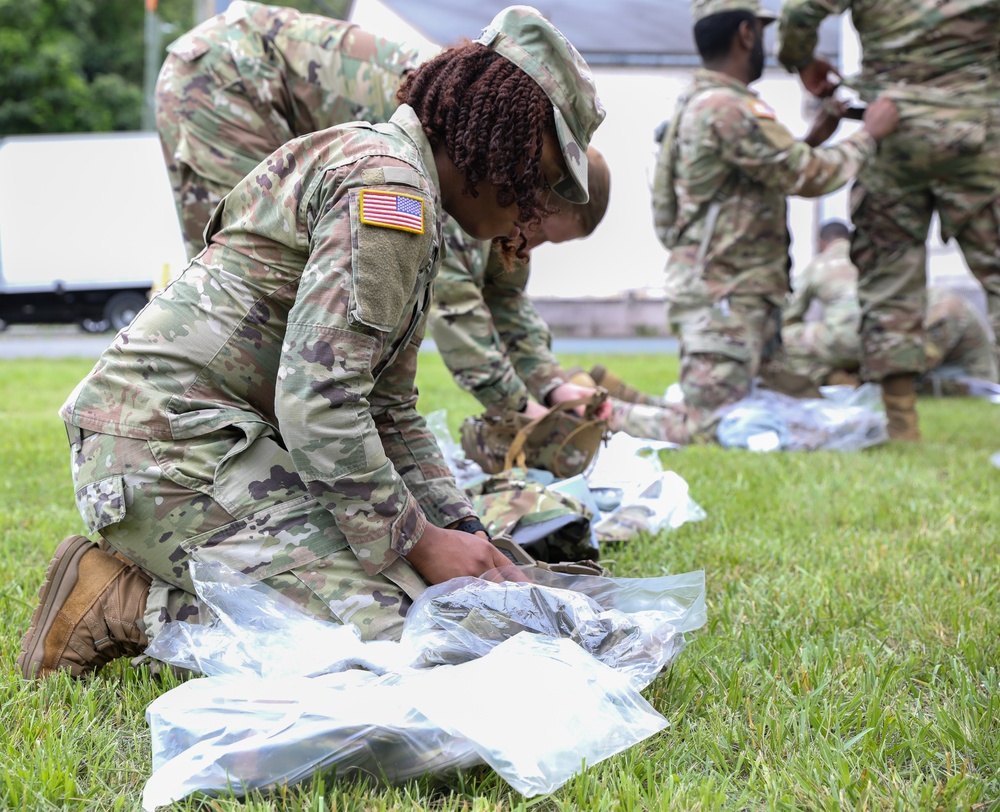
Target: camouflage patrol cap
(523,36)
(700,9)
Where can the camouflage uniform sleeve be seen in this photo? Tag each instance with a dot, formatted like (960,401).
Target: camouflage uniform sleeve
(797,29)
(800,298)
(750,138)
(329,363)
(522,329)
(463,330)
(410,445)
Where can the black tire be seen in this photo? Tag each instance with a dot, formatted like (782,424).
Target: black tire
(122,308)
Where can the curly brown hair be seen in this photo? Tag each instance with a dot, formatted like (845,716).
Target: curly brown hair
(491,118)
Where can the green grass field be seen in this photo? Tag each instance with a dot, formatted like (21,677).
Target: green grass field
(850,659)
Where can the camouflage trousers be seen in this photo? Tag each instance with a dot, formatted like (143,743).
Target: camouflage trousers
(720,353)
(814,349)
(957,339)
(234,498)
(212,134)
(939,159)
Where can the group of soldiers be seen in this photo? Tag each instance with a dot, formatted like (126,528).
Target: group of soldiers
(930,141)
(246,81)
(338,197)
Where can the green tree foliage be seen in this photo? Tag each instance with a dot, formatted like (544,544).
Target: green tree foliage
(76,65)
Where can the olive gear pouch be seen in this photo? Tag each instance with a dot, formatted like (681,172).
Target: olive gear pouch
(560,441)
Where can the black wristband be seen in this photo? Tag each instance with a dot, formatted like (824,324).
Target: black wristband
(472,525)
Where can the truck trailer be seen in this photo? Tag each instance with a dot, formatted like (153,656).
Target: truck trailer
(87,228)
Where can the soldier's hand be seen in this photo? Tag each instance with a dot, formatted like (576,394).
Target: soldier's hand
(828,117)
(441,554)
(881,118)
(533,409)
(820,78)
(572,391)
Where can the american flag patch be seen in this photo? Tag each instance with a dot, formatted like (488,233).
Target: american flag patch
(388,210)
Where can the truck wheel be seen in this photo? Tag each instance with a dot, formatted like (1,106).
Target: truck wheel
(122,308)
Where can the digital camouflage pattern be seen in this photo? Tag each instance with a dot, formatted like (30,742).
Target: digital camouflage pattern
(816,348)
(940,63)
(489,333)
(731,148)
(728,265)
(720,353)
(524,37)
(239,85)
(700,9)
(957,338)
(958,341)
(550,525)
(262,410)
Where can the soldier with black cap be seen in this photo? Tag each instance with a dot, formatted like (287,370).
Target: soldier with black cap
(723,172)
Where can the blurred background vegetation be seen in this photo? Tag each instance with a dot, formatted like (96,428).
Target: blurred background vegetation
(77,65)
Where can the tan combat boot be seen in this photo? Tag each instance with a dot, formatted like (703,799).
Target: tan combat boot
(900,399)
(620,390)
(841,377)
(89,612)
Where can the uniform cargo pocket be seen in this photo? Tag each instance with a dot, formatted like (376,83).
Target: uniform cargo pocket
(102,503)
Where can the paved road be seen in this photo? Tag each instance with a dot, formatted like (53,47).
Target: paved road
(30,341)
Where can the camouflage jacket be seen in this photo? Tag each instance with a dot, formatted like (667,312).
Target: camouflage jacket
(298,72)
(832,280)
(304,314)
(731,150)
(920,49)
(958,337)
(488,332)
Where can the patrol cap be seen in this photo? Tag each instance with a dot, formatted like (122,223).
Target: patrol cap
(523,36)
(700,9)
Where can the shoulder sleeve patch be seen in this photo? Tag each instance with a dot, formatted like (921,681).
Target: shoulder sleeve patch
(386,259)
(392,210)
(762,109)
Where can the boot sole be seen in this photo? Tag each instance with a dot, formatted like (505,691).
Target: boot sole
(55,589)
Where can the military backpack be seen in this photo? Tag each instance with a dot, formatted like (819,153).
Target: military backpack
(560,441)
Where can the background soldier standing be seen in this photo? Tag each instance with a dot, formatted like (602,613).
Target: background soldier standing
(940,63)
(724,170)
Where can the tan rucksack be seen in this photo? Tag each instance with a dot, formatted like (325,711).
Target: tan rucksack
(559,441)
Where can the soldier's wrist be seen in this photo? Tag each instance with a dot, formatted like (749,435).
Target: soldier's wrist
(472,525)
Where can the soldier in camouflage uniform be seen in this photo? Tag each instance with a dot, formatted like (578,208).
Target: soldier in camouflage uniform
(498,347)
(261,410)
(940,63)
(489,333)
(241,84)
(956,343)
(825,348)
(721,179)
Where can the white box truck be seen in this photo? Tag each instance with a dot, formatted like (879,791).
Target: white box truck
(87,228)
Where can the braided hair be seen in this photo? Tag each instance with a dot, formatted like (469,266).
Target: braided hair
(491,118)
